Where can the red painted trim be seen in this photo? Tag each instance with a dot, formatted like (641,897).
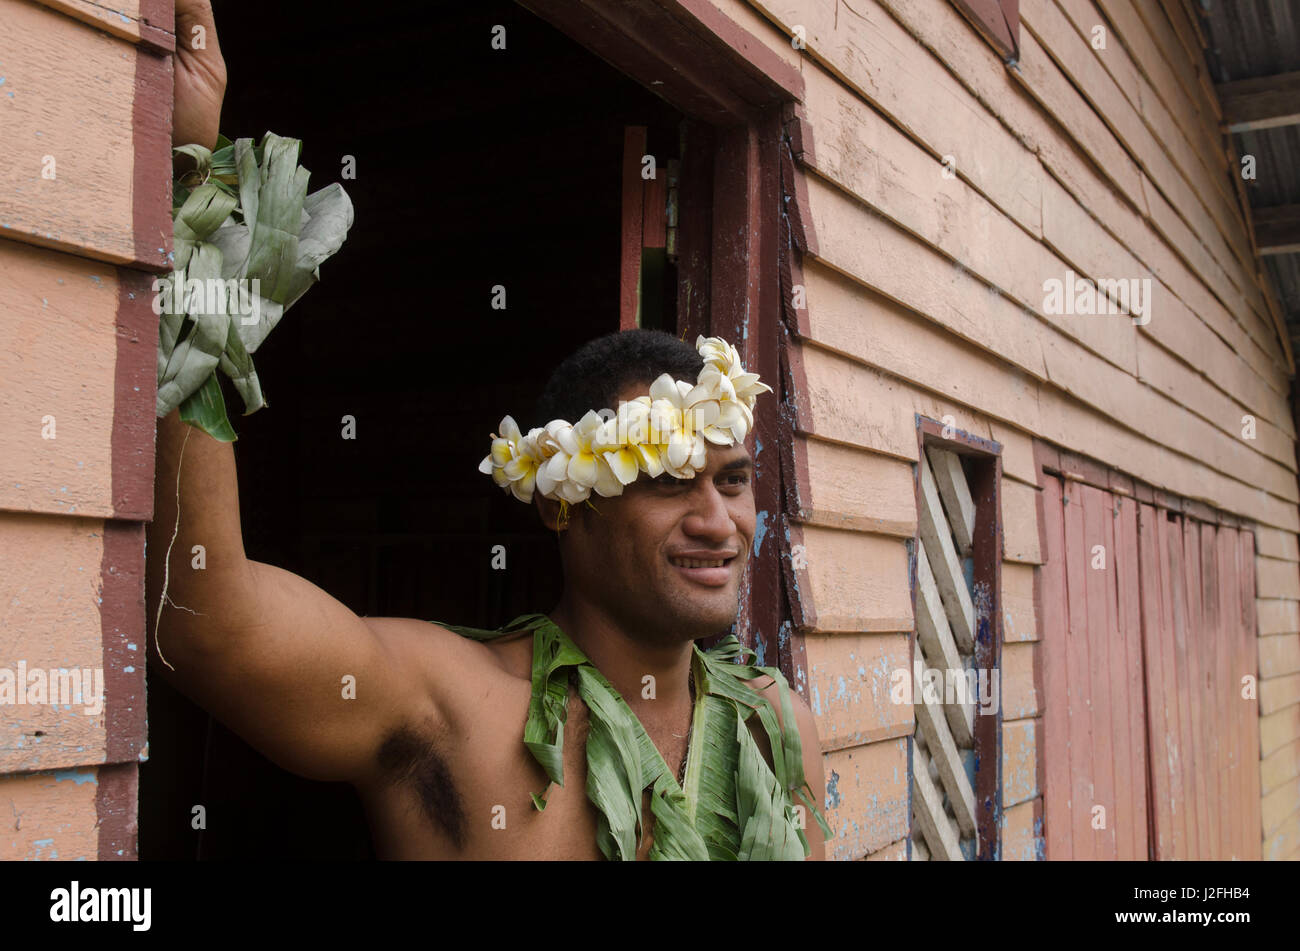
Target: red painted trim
(116,796)
(998,21)
(135,383)
(695,231)
(151,175)
(158,25)
(122,632)
(745,49)
(629,270)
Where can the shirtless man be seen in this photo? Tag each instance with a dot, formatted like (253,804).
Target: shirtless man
(433,740)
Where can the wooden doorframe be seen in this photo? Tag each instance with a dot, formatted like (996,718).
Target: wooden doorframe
(742,226)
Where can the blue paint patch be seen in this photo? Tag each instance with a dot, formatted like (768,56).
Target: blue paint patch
(816,700)
(98,281)
(128,670)
(760,530)
(833,798)
(758,446)
(130,647)
(78,776)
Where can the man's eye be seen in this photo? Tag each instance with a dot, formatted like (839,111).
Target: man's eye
(737,478)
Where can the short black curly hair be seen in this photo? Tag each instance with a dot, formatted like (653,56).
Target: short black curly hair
(592,376)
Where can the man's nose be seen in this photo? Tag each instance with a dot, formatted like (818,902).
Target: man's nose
(709,516)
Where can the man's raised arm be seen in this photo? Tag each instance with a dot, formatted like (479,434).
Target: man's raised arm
(268,653)
(263,650)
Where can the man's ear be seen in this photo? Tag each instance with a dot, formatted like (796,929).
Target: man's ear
(549,510)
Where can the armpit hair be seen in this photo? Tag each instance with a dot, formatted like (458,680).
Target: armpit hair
(410,757)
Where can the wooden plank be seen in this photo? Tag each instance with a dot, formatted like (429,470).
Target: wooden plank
(897,341)
(1019,762)
(137,21)
(1209,160)
(1282,765)
(955,494)
(1124,818)
(49,569)
(1278,579)
(851,679)
(1277,229)
(1160,688)
(1019,614)
(873,55)
(1196,662)
(1147,57)
(632,221)
(946,757)
(1276,617)
(1275,544)
(853,489)
(1020,681)
(1086,844)
(56,415)
(934,636)
(1021,839)
(948,574)
(1250,730)
(1056,638)
(861,406)
(1279,654)
(919,852)
(52,816)
(65,86)
(1212,607)
(1278,692)
(1128,572)
(858,581)
(1204,208)
(927,809)
(1017,453)
(1232,722)
(1261,102)
(934,24)
(1020,523)
(1175,633)
(1098,585)
(867,793)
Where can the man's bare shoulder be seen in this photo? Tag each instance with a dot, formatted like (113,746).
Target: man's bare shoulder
(415,640)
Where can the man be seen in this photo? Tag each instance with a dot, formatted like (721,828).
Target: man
(432,736)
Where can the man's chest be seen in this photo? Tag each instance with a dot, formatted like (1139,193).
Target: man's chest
(472,798)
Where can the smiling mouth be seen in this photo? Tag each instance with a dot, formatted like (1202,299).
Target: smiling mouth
(700,563)
(709,572)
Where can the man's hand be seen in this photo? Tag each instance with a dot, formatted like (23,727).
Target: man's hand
(200,76)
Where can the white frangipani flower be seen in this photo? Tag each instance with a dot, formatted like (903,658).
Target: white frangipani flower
(667,431)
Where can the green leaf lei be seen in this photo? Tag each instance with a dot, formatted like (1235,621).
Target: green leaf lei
(730,804)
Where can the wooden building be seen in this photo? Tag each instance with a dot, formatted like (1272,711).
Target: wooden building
(1003,261)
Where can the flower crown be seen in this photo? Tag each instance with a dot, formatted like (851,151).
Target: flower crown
(662,432)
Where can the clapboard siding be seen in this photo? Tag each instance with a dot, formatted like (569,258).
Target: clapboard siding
(137,21)
(850,679)
(849,402)
(49,580)
(76,143)
(76,407)
(57,374)
(867,798)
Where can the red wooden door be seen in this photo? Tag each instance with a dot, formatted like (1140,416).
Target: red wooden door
(1151,749)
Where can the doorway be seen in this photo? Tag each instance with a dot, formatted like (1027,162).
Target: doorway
(475,169)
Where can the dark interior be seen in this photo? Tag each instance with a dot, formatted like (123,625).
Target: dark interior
(474,167)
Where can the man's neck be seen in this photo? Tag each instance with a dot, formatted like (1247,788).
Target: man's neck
(626,661)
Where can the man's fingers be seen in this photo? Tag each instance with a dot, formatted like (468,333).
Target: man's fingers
(191,14)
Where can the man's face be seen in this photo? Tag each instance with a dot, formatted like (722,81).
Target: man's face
(666,557)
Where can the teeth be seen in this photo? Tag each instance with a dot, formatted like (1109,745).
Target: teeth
(694,563)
